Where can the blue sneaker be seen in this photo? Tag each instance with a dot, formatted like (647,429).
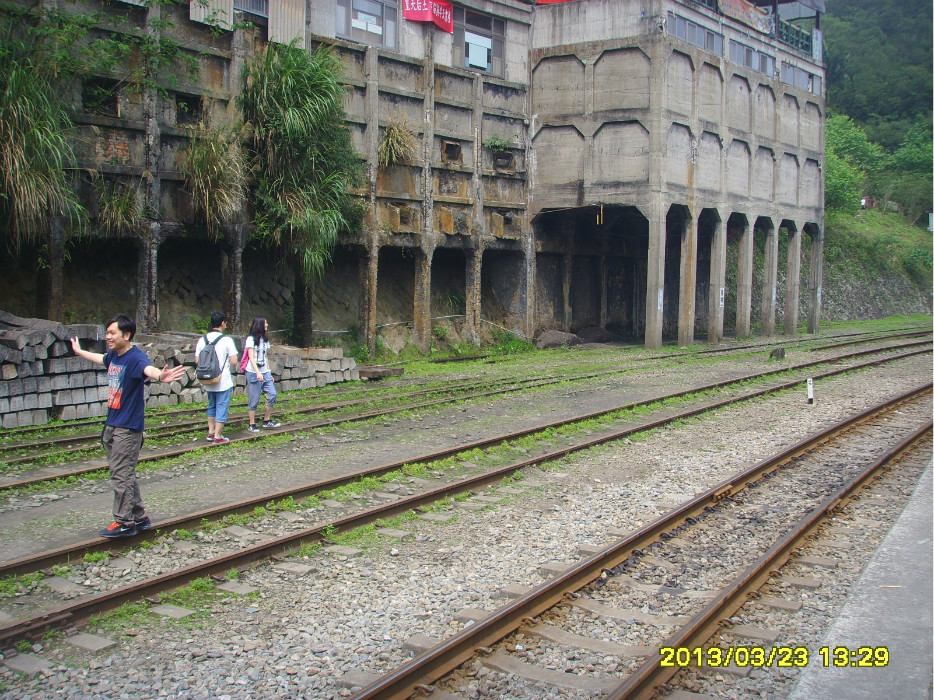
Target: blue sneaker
(118,530)
(143,524)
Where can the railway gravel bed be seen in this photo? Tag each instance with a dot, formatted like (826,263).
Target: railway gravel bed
(301,633)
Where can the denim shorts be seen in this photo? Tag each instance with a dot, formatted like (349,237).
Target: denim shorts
(219,404)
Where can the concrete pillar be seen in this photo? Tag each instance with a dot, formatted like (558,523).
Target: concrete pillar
(792,282)
(147,314)
(423,299)
(744,283)
(687,294)
(147,276)
(567,275)
(369,268)
(235,236)
(769,281)
(473,297)
(528,308)
(52,280)
(815,290)
(655,280)
(716,293)
(603,285)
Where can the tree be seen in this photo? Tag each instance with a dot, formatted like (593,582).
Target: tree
(34,145)
(302,162)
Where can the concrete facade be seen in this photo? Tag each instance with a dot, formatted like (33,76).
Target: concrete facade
(637,165)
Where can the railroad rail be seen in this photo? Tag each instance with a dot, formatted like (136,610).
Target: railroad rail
(419,675)
(43,474)
(80,610)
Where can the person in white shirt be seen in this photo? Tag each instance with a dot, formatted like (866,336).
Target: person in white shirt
(258,376)
(220,392)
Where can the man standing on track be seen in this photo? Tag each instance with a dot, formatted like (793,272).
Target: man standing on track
(127,369)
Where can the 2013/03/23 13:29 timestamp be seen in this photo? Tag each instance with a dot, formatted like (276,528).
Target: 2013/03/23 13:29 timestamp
(780,656)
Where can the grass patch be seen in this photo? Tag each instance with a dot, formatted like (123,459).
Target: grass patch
(11,585)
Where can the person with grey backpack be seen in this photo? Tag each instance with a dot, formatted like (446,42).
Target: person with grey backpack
(219,387)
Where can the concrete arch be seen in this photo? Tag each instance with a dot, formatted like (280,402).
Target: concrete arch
(764,112)
(739,273)
(810,189)
(709,162)
(557,85)
(738,168)
(766,239)
(789,120)
(680,273)
(788,179)
(679,84)
(621,153)
(710,93)
(812,120)
(558,163)
(621,80)
(680,155)
(763,174)
(737,104)
(711,276)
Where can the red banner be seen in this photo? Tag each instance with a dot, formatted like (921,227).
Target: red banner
(550,2)
(441,12)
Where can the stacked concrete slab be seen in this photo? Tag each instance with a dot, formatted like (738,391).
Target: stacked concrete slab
(41,379)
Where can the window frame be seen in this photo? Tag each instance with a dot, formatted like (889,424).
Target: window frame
(695,34)
(469,22)
(388,22)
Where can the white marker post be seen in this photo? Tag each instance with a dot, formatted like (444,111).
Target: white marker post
(810,391)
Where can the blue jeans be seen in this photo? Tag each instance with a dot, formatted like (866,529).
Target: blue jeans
(255,387)
(219,404)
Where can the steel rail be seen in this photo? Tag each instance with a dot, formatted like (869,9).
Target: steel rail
(44,560)
(646,679)
(190,426)
(12,483)
(13,432)
(81,609)
(433,664)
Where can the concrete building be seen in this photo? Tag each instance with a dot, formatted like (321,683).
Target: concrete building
(611,163)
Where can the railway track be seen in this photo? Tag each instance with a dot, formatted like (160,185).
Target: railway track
(16,439)
(646,592)
(213,562)
(50,473)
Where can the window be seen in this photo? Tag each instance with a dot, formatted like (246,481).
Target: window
(253,7)
(479,41)
(101,96)
(367,21)
(695,34)
(749,57)
(189,109)
(800,78)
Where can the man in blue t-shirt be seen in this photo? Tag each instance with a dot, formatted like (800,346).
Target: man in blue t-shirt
(127,369)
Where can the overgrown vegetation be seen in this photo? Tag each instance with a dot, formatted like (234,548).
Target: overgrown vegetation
(215,176)
(302,162)
(877,242)
(399,143)
(119,208)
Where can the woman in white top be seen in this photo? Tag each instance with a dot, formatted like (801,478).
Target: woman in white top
(258,376)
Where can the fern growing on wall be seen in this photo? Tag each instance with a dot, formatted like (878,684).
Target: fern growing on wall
(399,143)
(119,208)
(215,175)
